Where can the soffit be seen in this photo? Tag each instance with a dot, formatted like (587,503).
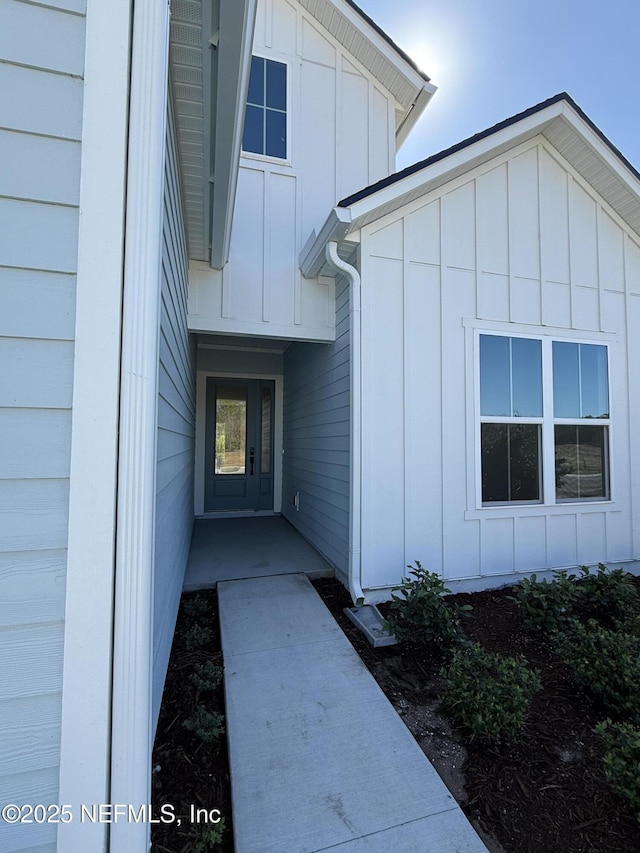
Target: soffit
(187,57)
(348,25)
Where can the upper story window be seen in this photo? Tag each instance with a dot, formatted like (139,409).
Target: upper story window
(265,121)
(538,403)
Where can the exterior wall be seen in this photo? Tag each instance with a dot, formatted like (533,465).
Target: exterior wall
(316,439)
(176,425)
(341,138)
(41,94)
(522,244)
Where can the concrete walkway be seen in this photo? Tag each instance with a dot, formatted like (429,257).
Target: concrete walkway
(234,548)
(319,758)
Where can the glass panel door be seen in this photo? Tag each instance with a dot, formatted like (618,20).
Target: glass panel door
(231,431)
(239,445)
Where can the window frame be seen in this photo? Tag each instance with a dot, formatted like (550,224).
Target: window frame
(549,503)
(270,158)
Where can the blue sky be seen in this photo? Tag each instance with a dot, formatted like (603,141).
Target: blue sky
(493,58)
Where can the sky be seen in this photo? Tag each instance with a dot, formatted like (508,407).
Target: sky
(491,59)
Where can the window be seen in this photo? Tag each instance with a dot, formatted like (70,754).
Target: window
(538,439)
(265,120)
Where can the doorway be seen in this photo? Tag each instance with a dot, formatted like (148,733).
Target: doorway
(239,439)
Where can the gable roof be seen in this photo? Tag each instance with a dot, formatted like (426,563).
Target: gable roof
(558,119)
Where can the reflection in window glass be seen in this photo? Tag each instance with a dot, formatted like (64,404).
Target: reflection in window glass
(580,382)
(231,431)
(510,462)
(580,462)
(266,444)
(265,123)
(510,377)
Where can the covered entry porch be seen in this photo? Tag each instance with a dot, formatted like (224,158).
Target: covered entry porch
(251,547)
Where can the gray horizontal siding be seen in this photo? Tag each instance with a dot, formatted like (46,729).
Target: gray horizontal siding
(316,439)
(176,425)
(41,87)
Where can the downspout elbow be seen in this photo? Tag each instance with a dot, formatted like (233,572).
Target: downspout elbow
(355,361)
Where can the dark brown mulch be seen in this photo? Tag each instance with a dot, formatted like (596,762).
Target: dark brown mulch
(188,771)
(548,794)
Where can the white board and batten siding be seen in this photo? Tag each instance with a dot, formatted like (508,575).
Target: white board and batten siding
(520,245)
(316,439)
(176,425)
(41,92)
(341,137)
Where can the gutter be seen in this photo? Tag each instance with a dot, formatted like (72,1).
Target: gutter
(355,464)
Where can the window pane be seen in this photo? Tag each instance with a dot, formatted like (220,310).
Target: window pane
(594,381)
(526,377)
(510,462)
(276,85)
(252,139)
(581,462)
(265,446)
(495,462)
(231,431)
(256,81)
(276,134)
(495,378)
(566,380)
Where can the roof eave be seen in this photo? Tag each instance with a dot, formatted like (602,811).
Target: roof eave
(434,171)
(411,118)
(237,21)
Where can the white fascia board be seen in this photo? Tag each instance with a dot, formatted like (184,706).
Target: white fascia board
(237,21)
(601,149)
(419,105)
(381,45)
(335,228)
(472,154)
(477,153)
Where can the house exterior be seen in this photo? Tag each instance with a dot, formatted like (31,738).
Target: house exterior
(216,296)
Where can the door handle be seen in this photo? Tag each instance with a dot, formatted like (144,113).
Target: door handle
(252,459)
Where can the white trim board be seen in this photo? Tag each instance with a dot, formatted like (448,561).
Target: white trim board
(86,698)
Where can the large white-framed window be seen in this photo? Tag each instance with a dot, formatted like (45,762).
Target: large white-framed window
(543,419)
(265,120)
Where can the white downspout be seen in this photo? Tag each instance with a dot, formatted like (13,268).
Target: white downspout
(355,463)
(133,613)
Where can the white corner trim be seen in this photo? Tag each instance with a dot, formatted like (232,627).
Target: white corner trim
(133,612)
(86,684)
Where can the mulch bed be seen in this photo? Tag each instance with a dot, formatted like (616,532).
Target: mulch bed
(547,794)
(188,771)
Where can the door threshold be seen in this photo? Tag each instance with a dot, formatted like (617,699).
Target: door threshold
(240,513)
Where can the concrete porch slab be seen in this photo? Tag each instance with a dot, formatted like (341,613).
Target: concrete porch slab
(233,548)
(319,758)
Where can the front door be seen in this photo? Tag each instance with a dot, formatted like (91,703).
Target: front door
(239,445)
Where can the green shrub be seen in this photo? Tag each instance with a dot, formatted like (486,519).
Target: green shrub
(609,597)
(420,614)
(622,760)
(546,605)
(208,725)
(206,676)
(196,607)
(489,694)
(209,835)
(606,663)
(197,636)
